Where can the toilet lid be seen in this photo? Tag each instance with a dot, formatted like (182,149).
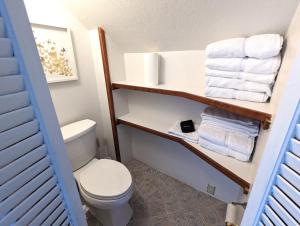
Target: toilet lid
(105,179)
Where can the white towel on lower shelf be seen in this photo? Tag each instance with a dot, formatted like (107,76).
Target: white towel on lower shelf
(212,133)
(250,65)
(238,84)
(252,77)
(251,131)
(216,114)
(223,150)
(240,142)
(175,130)
(263,46)
(236,94)
(237,141)
(229,121)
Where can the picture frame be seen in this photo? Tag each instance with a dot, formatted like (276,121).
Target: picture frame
(55,48)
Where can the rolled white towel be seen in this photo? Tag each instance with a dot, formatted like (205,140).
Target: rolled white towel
(236,94)
(228,48)
(263,46)
(252,77)
(238,84)
(250,65)
(223,150)
(237,141)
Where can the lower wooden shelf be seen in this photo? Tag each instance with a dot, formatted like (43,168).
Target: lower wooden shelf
(237,171)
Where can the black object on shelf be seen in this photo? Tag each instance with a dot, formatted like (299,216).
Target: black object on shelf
(187,126)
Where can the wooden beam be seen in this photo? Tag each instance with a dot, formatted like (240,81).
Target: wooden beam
(108,85)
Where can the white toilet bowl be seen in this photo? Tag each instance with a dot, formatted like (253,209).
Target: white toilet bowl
(106,186)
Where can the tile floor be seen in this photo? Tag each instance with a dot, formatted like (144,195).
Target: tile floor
(160,200)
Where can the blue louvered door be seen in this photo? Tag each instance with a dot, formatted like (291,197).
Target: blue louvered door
(275,196)
(36,182)
(282,206)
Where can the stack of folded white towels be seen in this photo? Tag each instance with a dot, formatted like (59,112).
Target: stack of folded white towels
(227,133)
(243,68)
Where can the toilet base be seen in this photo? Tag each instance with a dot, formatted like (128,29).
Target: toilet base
(118,216)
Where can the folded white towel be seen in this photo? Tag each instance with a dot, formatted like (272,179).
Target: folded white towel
(236,94)
(237,141)
(238,84)
(219,114)
(258,46)
(212,133)
(240,142)
(223,74)
(252,77)
(261,66)
(175,130)
(228,126)
(223,150)
(260,78)
(231,121)
(263,46)
(250,65)
(228,48)
(224,64)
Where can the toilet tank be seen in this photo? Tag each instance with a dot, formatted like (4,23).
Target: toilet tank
(81,143)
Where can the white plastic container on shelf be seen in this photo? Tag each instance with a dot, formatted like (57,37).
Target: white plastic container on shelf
(151,68)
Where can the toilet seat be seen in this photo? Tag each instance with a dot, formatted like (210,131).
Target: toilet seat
(105,179)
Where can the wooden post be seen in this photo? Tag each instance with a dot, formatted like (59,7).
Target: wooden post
(108,85)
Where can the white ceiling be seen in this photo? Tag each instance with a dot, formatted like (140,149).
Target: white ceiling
(152,25)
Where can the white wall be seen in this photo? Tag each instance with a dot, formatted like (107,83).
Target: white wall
(73,100)
(156,25)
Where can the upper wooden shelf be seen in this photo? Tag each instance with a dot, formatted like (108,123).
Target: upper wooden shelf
(239,172)
(258,111)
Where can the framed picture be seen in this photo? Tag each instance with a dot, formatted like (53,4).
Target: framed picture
(55,48)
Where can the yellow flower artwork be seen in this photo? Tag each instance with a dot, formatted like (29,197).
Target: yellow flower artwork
(55,49)
(53,59)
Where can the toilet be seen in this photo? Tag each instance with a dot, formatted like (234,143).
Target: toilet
(104,184)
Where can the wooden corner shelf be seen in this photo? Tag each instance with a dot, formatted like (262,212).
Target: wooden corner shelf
(258,111)
(237,171)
